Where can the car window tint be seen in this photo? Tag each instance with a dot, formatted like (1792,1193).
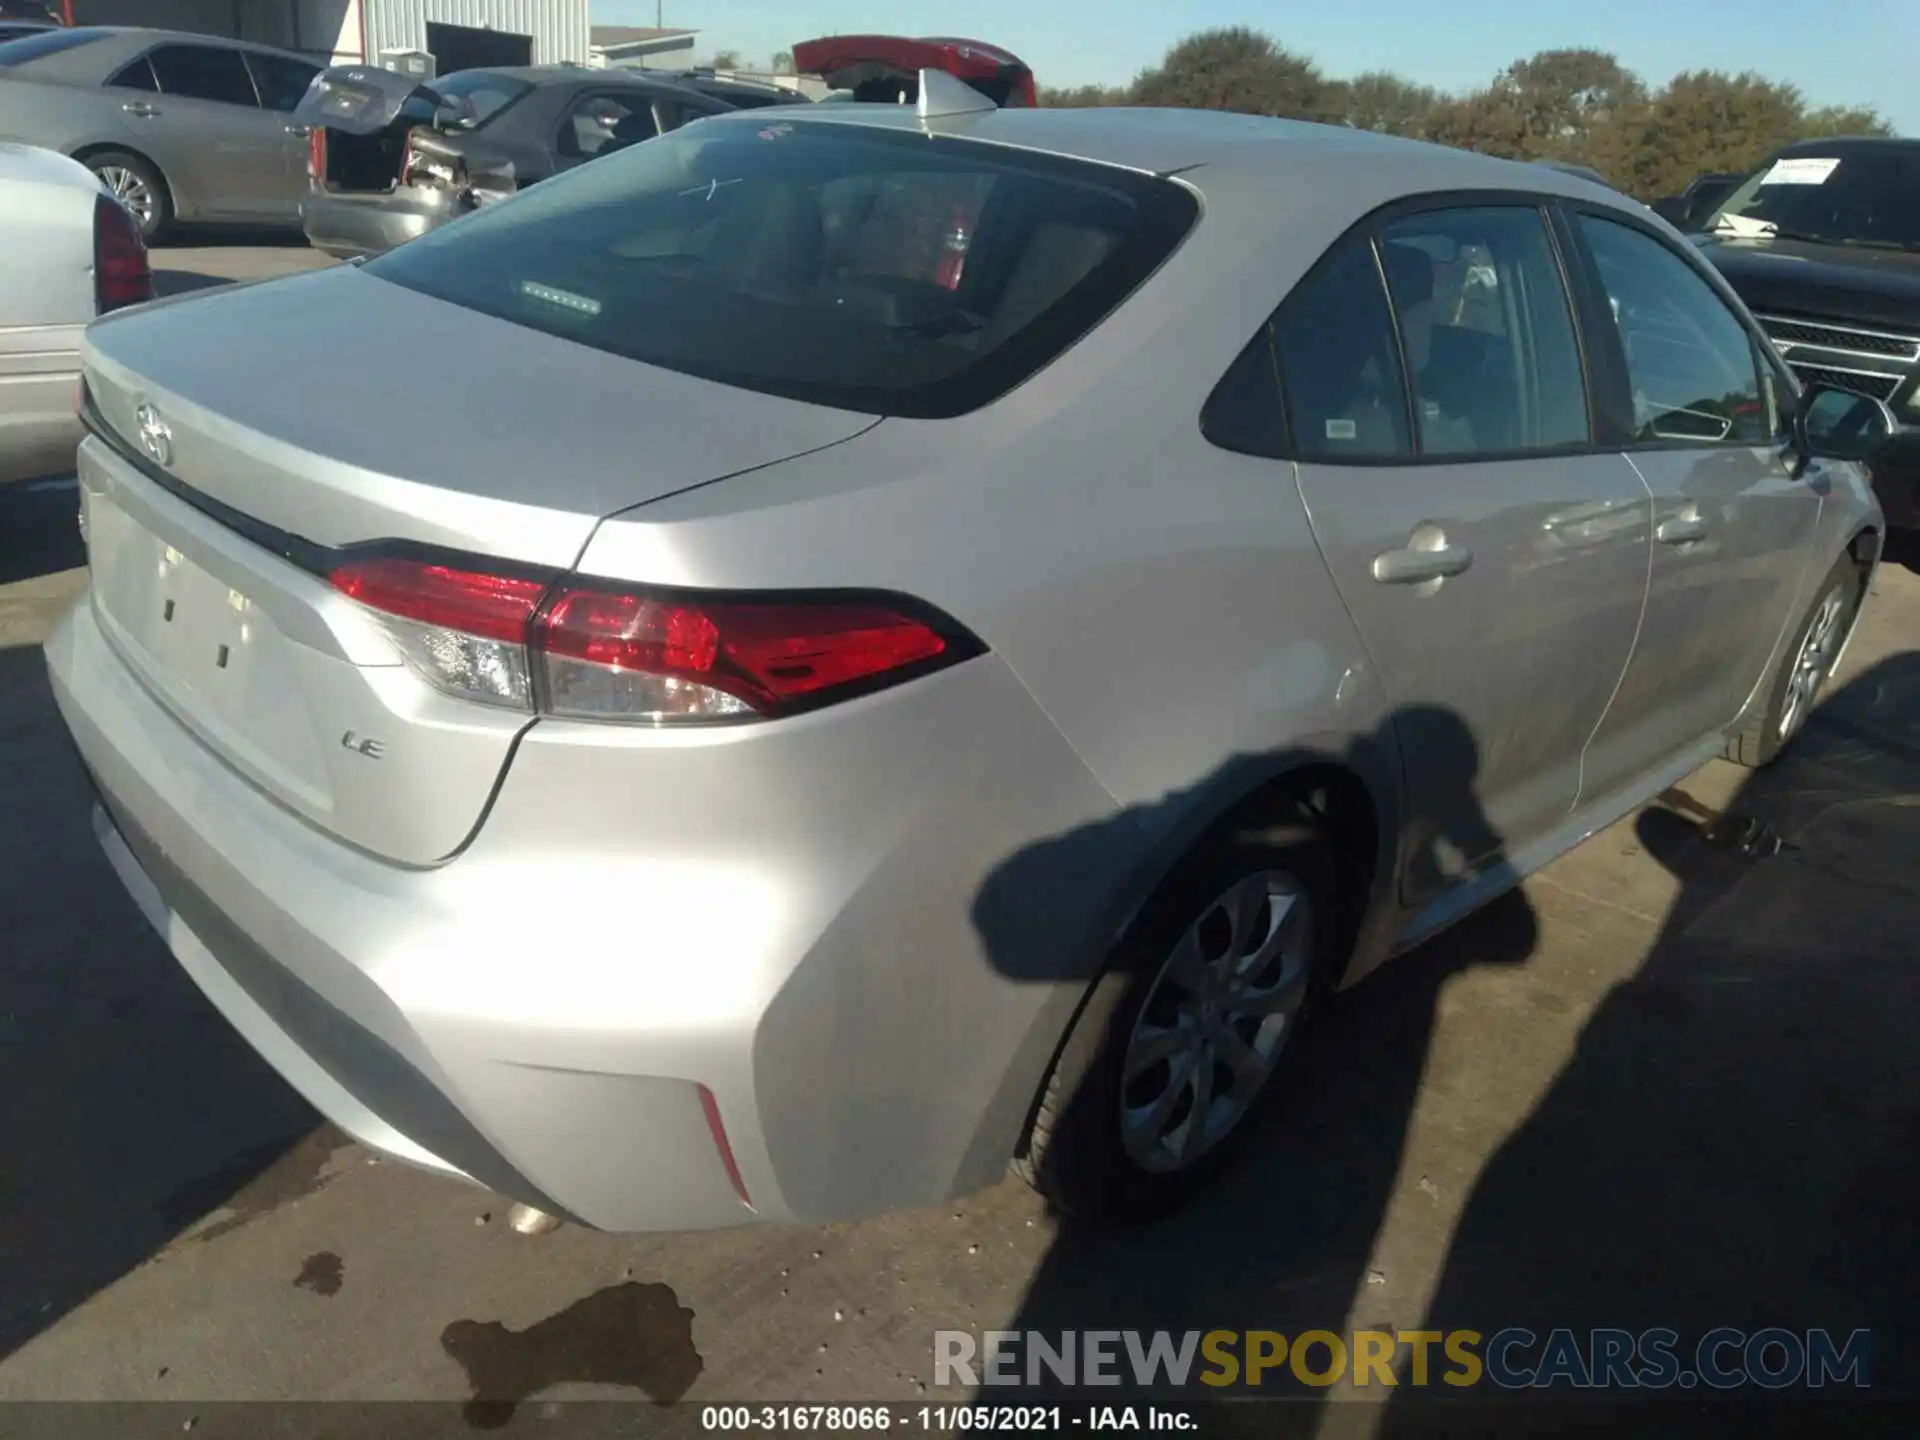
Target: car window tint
(137,76)
(1243,412)
(1345,397)
(1487,331)
(1690,361)
(599,124)
(839,264)
(474,97)
(282,82)
(204,72)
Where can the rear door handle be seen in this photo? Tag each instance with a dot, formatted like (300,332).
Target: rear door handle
(1416,564)
(301,130)
(140,108)
(1681,529)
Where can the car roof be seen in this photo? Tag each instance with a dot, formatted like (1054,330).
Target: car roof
(539,75)
(1848,142)
(133,35)
(1255,149)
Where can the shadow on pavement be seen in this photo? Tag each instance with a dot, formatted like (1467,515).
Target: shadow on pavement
(1903,548)
(132,1108)
(39,530)
(1734,1142)
(1283,1242)
(246,237)
(185,282)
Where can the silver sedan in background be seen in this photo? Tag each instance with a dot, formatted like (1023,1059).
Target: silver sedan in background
(782,670)
(180,127)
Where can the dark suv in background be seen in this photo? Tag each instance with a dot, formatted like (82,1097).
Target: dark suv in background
(1823,243)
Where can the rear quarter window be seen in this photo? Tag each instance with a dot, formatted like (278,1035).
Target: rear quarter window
(882,273)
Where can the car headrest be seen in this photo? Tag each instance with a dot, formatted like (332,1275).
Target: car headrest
(1409,273)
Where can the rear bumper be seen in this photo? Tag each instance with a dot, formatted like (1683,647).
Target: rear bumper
(345,226)
(626,944)
(39,430)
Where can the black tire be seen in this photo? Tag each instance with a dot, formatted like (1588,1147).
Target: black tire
(1075,1154)
(1767,732)
(154,216)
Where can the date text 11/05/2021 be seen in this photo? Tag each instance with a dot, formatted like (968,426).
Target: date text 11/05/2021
(945,1419)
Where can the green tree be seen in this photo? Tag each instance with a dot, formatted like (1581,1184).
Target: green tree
(1389,104)
(726,59)
(1844,120)
(783,62)
(1580,105)
(1235,68)
(1708,120)
(1081,97)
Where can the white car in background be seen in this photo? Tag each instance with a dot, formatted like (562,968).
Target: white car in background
(70,253)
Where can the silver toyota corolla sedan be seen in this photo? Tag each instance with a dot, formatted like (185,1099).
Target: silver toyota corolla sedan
(778,672)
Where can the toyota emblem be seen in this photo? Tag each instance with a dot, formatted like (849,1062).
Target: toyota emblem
(155,436)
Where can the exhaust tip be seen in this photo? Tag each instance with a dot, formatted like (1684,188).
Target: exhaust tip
(526,1220)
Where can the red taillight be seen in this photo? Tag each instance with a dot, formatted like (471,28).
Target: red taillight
(493,607)
(317,155)
(121,274)
(617,654)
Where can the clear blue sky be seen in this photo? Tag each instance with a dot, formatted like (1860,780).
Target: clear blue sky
(1837,51)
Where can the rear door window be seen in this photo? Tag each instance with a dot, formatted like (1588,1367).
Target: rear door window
(281,81)
(475,97)
(204,72)
(877,272)
(599,124)
(1486,330)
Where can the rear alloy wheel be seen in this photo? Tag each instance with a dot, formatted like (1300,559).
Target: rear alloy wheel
(1180,1041)
(1804,669)
(137,186)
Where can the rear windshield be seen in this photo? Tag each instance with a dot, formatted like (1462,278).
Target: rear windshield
(47,42)
(882,272)
(475,97)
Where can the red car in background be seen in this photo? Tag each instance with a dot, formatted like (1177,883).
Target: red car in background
(886,68)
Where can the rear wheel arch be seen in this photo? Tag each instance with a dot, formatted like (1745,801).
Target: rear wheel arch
(1349,800)
(87,153)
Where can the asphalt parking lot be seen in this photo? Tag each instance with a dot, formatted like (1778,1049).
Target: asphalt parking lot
(1673,1081)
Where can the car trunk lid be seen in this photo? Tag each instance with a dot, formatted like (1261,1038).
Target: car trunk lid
(360,116)
(222,493)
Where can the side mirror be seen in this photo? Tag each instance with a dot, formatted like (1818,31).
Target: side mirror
(1834,424)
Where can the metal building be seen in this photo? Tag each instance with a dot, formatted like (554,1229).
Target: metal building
(459,34)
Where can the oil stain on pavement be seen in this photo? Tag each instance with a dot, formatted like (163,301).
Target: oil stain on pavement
(632,1334)
(321,1274)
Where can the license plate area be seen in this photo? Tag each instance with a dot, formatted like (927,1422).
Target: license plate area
(207,648)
